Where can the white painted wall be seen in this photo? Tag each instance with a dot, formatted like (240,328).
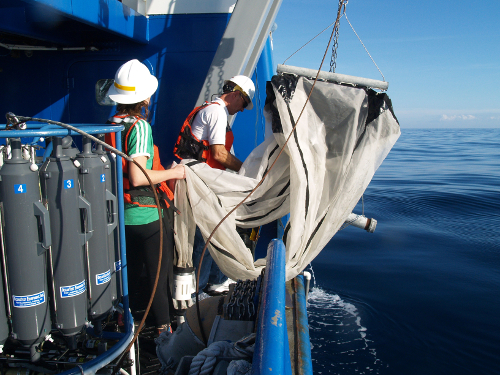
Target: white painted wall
(150,7)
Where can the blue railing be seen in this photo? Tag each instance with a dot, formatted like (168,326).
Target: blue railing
(41,130)
(272,352)
(303,343)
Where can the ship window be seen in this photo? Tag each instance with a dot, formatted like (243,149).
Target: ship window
(101,92)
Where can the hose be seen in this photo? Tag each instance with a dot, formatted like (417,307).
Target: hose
(16,120)
(341,5)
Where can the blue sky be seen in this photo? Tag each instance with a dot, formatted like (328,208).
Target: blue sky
(441,58)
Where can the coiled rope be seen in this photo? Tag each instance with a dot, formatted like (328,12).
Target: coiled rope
(205,361)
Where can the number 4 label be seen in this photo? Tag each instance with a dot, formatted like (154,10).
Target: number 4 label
(19,188)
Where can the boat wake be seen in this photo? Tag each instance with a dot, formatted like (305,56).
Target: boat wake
(339,342)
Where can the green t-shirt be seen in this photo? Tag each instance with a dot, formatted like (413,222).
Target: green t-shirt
(140,143)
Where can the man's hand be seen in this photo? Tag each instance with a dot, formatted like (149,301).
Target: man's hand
(228,160)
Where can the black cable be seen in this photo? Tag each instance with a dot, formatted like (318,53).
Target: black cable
(16,120)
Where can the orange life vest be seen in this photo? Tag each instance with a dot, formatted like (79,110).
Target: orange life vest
(188,146)
(140,196)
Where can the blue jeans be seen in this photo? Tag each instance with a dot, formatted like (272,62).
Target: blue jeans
(210,272)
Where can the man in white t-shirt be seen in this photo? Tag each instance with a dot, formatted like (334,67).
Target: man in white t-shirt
(206,129)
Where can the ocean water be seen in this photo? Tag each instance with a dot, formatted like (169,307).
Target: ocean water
(421,295)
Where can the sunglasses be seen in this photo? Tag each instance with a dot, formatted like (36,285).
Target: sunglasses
(245,103)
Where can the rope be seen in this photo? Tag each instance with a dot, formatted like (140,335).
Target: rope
(326,28)
(364,46)
(239,367)
(343,2)
(204,362)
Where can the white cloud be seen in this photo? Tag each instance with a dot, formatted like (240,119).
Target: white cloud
(457,117)
(495,118)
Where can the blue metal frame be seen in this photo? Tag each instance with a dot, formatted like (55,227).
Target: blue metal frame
(272,352)
(106,15)
(303,341)
(124,339)
(32,131)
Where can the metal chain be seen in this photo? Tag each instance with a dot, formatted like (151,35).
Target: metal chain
(333,61)
(241,302)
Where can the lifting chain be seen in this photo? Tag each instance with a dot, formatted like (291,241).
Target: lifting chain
(333,61)
(243,301)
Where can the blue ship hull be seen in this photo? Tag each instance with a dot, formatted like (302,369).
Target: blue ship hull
(53,54)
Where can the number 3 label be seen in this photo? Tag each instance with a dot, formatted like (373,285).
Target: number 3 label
(19,188)
(68,184)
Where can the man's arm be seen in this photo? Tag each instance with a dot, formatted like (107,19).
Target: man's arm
(224,157)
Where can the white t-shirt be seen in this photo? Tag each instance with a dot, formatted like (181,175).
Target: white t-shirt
(210,123)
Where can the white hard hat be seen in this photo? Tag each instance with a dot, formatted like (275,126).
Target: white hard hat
(133,83)
(245,85)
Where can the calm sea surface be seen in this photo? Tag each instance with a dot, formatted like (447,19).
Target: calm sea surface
(421,295)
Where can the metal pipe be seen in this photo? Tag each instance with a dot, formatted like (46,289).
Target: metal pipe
(333,77)
(91,367)
(131,356)
(304,342)
(40,48)
(271,342)
(4,265)
(58,132)
(121,226)
(307,276)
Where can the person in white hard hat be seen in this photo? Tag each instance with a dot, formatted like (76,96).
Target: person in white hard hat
(132,90)
(207,137)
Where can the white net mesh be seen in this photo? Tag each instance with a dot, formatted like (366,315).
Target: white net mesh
(341,139)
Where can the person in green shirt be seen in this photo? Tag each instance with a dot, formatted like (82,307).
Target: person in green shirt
(132,90)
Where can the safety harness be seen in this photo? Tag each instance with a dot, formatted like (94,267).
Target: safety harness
(141,196)
(188,146)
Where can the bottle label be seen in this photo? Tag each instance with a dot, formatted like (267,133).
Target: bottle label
(29,301)
(73,290)
(103,278)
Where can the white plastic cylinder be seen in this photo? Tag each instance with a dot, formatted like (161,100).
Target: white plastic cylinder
(183,286)
(360,221)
